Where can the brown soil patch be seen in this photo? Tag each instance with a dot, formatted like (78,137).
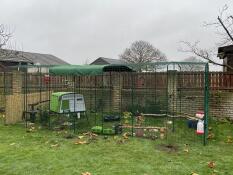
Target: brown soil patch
(168,148)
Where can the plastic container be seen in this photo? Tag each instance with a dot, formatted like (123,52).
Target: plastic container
(100,130)
(97,129)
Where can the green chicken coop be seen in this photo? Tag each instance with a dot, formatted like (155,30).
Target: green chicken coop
(65,102)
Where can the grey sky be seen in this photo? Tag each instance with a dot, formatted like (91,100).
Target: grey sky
(79,30)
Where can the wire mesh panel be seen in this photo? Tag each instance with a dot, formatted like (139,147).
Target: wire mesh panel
(5,89)
(165,101)
(170,102)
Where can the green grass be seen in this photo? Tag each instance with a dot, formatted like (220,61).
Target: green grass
(31,153)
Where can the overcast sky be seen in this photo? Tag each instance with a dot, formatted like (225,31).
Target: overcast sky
(83,30)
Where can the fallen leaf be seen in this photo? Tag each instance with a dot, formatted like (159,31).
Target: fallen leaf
(211,164)
(79,142)
(80,137)
(55,145)
(86,173)
(229,139)
(12,144)
(93,134)
(121,141)
(194,173)
(186,149)
(125,135)
(210,136)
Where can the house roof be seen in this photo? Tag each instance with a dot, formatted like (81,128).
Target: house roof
(102,61)
(224,51)
(31,58)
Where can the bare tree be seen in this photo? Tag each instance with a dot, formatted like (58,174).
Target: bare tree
(223,26)
(224,29)
(142,52)
(7,50)
(192,67)
(5,36)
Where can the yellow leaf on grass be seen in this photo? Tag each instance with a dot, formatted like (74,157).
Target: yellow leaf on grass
(210,136)
(125,135)
(79,142)
(229,139)
(194,173)
(55,145)
(86,173)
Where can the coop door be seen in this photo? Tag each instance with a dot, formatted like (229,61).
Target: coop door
(65,105)
(73,106)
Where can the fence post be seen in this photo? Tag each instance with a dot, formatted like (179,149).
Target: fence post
(14,101)
(116,91)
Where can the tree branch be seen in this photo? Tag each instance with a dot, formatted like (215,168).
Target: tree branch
(225,28)
(202,53)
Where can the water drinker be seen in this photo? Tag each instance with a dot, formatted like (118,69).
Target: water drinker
(200,127)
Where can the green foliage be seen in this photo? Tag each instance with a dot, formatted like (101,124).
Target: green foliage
(127,117)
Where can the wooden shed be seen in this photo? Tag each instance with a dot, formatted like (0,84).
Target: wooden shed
(226,53)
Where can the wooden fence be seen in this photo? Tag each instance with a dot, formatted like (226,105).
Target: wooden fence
(189,80)
(158,80)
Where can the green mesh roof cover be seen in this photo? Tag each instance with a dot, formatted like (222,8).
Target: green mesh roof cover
(87,69)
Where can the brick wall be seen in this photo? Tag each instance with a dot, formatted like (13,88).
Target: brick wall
(221,104)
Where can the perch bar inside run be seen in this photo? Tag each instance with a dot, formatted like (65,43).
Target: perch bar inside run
(143,127)
(155,115)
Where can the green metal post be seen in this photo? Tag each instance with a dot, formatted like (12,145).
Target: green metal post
(49,89)
(74,114)
(206,103)
(26,91)
(24,99)
(167,99)
(95,101)
(40,82)
(173,106)
(102,105)
(132,99)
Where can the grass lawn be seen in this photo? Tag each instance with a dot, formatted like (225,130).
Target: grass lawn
(48,152)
